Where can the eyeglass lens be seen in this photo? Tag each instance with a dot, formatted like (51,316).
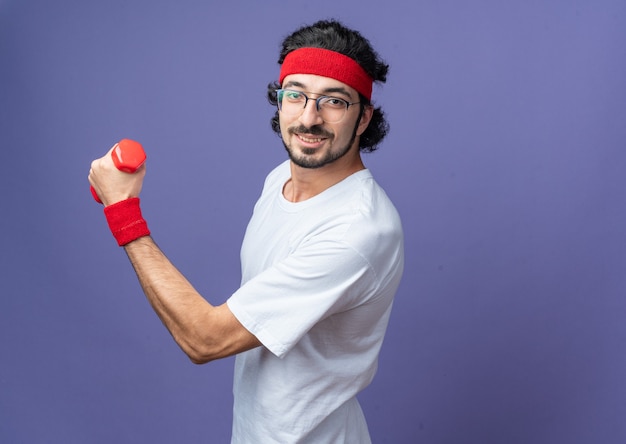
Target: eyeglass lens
(331,109)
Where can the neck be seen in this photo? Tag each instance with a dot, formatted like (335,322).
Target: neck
(306,183)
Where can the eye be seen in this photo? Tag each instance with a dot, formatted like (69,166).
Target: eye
(333,102)
(293,96)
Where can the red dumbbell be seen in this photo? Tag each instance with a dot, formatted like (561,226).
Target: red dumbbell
(128,156)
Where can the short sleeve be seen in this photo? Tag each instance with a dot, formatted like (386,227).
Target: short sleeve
(281,304)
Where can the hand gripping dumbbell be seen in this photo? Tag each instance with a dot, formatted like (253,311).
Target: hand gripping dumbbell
(128,156)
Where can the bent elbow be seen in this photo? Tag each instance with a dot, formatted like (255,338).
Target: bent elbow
(200,354)
(199,360)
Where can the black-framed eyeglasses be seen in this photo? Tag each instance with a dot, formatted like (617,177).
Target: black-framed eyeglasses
(331,109)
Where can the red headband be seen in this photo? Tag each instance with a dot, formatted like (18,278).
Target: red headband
(323,62)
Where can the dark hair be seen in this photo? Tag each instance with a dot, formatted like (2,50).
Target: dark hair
(334,36)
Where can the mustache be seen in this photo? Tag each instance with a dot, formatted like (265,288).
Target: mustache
(316,130)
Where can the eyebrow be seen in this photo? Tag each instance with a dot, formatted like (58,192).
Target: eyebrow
(335,90)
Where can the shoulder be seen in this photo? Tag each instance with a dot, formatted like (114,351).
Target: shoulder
(278,175)
(373,208)
(376,229)
(361,214)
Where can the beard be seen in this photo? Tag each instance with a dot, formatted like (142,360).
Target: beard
(305,158)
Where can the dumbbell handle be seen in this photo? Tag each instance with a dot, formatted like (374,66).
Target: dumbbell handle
(128,156)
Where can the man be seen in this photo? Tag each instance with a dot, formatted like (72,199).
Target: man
(321,259)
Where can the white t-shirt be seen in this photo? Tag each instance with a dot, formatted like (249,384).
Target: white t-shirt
(318,281)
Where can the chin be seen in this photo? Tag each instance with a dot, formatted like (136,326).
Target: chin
(305,161)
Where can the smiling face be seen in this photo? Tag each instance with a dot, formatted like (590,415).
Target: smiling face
(310,141)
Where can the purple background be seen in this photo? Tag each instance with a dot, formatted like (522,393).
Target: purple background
(506,160)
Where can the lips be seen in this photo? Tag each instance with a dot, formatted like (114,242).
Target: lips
(309,139)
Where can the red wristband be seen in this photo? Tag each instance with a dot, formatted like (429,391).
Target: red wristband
(125,221)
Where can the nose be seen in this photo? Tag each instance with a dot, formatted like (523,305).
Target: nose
(310,115)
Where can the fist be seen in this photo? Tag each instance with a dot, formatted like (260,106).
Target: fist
(111,184)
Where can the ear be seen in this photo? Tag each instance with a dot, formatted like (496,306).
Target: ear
(366,117)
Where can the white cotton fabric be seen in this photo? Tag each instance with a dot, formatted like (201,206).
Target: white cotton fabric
(318,281)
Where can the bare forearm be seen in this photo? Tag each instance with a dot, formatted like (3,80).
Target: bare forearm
(203,331)
(184,312)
